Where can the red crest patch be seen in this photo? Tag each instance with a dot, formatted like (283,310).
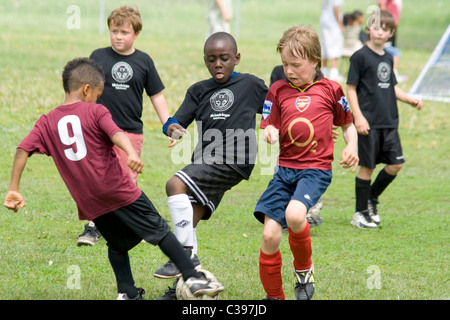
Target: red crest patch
(302,103)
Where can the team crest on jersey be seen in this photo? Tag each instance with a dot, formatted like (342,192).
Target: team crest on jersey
(222,100)
(302,103)
(122,72)
(344,103)
(266,109)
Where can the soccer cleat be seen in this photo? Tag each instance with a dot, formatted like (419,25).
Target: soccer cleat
(90,235)
(304,288)
(313,216)
(124,296)
(373,211)
(202,286)
(171,293)
(169,270)
(362,220)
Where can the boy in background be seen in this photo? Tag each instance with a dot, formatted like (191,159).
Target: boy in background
(128,72)
(372,93)
(79,135)
(300,113)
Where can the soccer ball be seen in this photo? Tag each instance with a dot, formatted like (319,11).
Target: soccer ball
(184,293)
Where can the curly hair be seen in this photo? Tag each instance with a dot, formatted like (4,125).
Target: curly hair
(81,71)
(126,14)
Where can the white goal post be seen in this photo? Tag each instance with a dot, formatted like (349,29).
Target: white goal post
(433,83)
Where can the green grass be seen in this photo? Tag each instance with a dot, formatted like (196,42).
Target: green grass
(38,244)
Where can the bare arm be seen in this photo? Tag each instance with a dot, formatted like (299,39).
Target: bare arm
(159,103)
(14,200)
(225,14)
(402,96)
(361,124)
(121,140)
(350,153)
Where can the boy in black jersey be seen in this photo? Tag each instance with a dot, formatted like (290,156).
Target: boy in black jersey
(128,73)
(372,95)
(224,108)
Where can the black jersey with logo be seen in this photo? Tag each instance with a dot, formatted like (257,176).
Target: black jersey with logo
(126,79)
(225,117)
(375,86)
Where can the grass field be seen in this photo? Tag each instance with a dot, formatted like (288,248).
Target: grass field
(407,258)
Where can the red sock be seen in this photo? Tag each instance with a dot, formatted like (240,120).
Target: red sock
(270,274)
(300,244)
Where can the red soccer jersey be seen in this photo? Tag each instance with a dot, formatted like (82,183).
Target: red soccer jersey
(305,117)
(78,138)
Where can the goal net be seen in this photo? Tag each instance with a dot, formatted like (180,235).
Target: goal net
(433,83)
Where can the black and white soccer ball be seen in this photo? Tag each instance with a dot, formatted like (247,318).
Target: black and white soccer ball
(184,293)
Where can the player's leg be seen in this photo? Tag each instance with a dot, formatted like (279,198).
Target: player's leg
(390,153)
(270,260)
(361,217)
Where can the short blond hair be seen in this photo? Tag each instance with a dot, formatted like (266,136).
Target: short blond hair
(126,14)
(302,41)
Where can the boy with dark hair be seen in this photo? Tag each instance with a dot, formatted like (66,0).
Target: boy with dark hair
(224,108)
(372,93)
(79,135)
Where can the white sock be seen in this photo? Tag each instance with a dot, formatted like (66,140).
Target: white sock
(182,219)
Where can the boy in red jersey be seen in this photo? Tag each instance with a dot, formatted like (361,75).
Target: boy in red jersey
(79,135)
(300,112)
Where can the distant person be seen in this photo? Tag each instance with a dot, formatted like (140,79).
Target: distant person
(299,114)
(129,72)
(352,31)
(219,14)
(395,8)
(372,93)
(79,135)
(332,38)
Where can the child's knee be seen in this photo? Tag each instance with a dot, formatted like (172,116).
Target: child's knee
(175,186)
(393,169)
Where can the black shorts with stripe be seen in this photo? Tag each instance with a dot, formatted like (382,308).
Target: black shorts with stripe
(380,146)
(208,183)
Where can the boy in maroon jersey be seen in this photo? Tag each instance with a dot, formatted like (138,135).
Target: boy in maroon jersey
(79,135)
(300,113)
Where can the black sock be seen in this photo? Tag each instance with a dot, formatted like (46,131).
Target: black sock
(362,190)
(380,184)
(172,248)
(122,270)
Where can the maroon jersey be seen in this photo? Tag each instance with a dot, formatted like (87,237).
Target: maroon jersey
(305,117)
(78,138)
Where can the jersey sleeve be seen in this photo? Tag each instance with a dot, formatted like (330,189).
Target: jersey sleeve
(342,113)
(34,141)
(105,121)
(186,112)
(271,113)
(153,83)
(354,69)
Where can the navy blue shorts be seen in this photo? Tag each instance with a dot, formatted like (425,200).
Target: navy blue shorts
(306,186)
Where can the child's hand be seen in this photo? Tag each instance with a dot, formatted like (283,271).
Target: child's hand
(362,126)
(271,134)
(14,201)
(416,103)
(135,163)
(175,132)
(349,158)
